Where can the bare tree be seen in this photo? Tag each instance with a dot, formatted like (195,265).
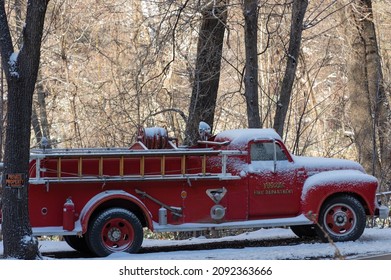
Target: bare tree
(21,69)
(207,71)
(250,12)
(368,97)
(298,11)
(39,121)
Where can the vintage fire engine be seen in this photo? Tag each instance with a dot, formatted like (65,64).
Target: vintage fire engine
(100,200)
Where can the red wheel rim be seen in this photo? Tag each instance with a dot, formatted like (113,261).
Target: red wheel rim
(117,234)
(340,219)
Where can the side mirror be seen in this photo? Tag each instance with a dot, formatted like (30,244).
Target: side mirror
(274,156)
(204,130)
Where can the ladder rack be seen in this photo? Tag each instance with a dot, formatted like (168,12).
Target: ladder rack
(122,154)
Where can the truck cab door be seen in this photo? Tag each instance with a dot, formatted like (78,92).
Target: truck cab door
(273,182)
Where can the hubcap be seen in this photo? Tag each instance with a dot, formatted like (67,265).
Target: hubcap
(117,234)
(340,219)
(114,234)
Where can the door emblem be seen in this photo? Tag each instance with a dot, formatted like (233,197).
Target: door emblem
(216,194)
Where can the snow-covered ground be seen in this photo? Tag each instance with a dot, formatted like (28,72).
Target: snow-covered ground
(280,262)
(373,241)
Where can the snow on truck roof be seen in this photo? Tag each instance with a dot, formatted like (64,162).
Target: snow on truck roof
(240,137)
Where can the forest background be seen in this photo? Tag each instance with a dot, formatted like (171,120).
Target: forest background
(109,66)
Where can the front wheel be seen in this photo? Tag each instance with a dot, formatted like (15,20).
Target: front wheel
(341,219)
(114,230)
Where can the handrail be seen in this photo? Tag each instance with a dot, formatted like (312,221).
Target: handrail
(100,154)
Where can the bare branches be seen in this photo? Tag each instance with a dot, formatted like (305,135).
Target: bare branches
(132,62)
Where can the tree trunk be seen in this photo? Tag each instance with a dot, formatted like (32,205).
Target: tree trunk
(39,120)
(368,99)
(2,107)
(250,11)
(207,72)
(299,8)
(21,73)
(41,93)
(36,125)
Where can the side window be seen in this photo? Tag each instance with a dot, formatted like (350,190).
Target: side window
(265,151)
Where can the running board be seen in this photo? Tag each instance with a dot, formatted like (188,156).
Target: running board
(298,220)
(57,230)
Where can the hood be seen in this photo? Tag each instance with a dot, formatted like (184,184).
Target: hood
(318,164)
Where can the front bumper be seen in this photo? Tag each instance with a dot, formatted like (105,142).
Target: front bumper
(383,212)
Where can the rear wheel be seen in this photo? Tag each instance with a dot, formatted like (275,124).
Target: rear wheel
(342,219)
(78,243)
(114,230)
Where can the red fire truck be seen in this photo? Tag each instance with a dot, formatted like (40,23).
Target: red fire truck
(100,200)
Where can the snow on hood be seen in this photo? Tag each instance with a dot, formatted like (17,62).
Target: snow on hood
(323,164)
(352,177)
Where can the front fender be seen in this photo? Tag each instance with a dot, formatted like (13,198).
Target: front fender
(102,197)
(321,186)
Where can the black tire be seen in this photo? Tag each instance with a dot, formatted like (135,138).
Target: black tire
(78,243)
(304,231)
(342,219)
(114,230)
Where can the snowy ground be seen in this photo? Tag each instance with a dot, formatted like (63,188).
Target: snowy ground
(373,241)
(277,263)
